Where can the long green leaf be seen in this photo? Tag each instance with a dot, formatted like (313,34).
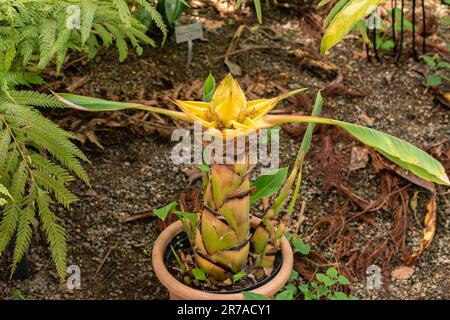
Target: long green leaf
(399,151)
(99,105)
(344,21)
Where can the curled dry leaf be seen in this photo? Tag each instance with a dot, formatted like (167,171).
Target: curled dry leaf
(402,273)
(359,158)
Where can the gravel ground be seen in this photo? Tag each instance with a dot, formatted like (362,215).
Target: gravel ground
(134,172)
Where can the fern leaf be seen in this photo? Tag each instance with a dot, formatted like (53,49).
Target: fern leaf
(46,41)
(88,9)
(11,211)
(104,34)
(23,236)
(5,140)
(36,99)
(50,184)
(54,232)
(123,11)
(121,45)
(155,15)
(49,136)
(21,78)
(50,168)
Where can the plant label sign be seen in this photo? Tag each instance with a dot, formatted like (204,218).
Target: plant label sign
(188,33)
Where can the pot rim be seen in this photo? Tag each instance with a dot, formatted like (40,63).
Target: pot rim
(180,289)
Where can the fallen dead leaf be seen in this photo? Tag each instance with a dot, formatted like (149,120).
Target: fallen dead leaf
(402,273)
(359,158)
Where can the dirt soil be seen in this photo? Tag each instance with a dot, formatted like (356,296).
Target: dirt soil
(133,172)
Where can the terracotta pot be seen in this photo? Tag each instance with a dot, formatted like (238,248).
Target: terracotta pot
(180,291)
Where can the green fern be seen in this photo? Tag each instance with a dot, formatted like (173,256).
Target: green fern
(37,158)
(38,31)
(30,180)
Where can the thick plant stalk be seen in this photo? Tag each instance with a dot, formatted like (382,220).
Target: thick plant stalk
(222,234)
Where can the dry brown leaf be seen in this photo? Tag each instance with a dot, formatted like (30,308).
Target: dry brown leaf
(359,158)
(402,273)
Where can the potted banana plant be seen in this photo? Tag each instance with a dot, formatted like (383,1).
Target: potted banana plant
(224,241)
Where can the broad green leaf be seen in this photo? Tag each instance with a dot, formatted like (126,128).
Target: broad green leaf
(340,296)
(199,274)
(344,21)
(334,11)
(403,153)
(332,272)
(343,280)
(325,279)
(192,217)
(301,246)
(285,295)
(268,184)
(433,81)
(173,10)
(294,275)
(164,211)
(254,296)
(208,88)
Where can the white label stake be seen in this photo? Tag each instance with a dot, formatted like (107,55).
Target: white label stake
(188,33)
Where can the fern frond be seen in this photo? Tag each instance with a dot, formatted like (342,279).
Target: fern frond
(11,211)
(48,136)
(104,34)
(21,78)
(123,11)
(54,232)
(88,9)
(121,45)
(50,168)
(46,41)
(155,15)
(50,184)
(23,236)
(34,98)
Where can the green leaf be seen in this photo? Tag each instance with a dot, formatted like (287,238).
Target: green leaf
(343,280)
(199,274)
(294,275)
(301,246)
(177,257)
(192,217)
(433,81)
(268,184)
(258,10)
(323,290)
(340,295)
(285,295)
(204,167)
(238,276)
(345,19)
(16,293)
(332,272)
(164,211)
(334,11)
(387,45)
(208,88)
(173,10)
(291,287)
(254,296)
(325,279)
